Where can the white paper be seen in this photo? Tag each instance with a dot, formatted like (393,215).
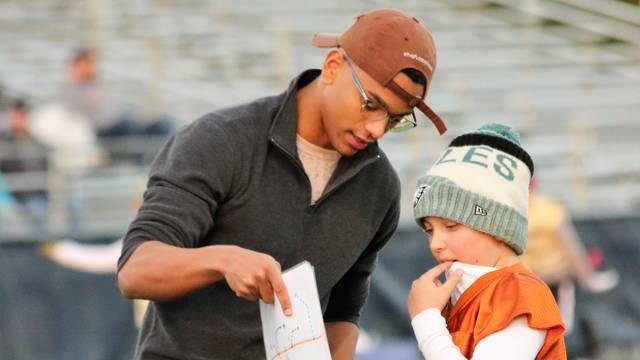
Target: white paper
(301,336)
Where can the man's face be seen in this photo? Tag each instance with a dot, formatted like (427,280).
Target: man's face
(348,128)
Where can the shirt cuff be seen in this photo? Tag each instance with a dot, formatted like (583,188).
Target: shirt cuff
(427,324)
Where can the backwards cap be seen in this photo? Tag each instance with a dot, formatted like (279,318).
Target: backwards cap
(382,43)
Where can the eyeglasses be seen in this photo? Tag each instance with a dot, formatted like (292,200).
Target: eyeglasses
(373,111)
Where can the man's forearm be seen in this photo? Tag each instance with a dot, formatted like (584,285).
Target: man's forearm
(342,337)
(161,272)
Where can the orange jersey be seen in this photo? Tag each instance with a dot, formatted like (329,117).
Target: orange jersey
(495,299)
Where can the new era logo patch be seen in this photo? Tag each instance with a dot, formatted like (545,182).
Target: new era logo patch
(479,211)
(418,194)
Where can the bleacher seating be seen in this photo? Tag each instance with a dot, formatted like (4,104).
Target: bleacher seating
(573,92)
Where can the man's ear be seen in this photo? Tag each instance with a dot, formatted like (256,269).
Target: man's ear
(331,66)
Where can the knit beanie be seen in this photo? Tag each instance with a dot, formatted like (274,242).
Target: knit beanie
(481,181)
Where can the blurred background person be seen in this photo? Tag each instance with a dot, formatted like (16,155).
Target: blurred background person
(557,255)
(85,94)
(17,122)
(555,251)
(24,159)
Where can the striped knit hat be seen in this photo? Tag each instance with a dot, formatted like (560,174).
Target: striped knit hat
(481,181)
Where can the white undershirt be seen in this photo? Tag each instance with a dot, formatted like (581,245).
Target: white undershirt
(515,342)
(319,164)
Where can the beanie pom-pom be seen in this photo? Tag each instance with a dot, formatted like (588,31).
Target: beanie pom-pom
(500,130)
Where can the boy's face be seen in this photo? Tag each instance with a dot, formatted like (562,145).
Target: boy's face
(451,241)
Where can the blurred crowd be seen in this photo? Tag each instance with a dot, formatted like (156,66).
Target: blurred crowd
(66,135)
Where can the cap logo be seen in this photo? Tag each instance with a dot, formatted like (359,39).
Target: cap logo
(479,211)
(418,194)
(418,58)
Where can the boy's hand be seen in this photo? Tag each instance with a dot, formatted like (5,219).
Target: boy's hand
(428,292)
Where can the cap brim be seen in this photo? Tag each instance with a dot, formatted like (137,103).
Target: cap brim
(325,40)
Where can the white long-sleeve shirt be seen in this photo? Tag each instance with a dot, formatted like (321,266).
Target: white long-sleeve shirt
(515,342)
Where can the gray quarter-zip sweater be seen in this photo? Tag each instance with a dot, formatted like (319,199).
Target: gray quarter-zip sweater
(234,177)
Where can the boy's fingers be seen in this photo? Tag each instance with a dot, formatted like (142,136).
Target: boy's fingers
(435,271)
(453,280)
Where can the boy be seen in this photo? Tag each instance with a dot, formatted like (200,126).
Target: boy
(473,205)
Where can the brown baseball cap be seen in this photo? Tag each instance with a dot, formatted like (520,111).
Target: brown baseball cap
(382,43)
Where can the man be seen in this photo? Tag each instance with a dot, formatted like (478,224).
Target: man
(23,156)
(85,95)
(247,191)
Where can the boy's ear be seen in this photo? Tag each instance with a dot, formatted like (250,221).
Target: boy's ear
(331,67)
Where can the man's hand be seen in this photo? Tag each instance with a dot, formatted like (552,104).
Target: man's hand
(253,275)
(428,292)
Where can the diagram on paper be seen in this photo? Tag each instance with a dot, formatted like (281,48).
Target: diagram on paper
(302,335)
